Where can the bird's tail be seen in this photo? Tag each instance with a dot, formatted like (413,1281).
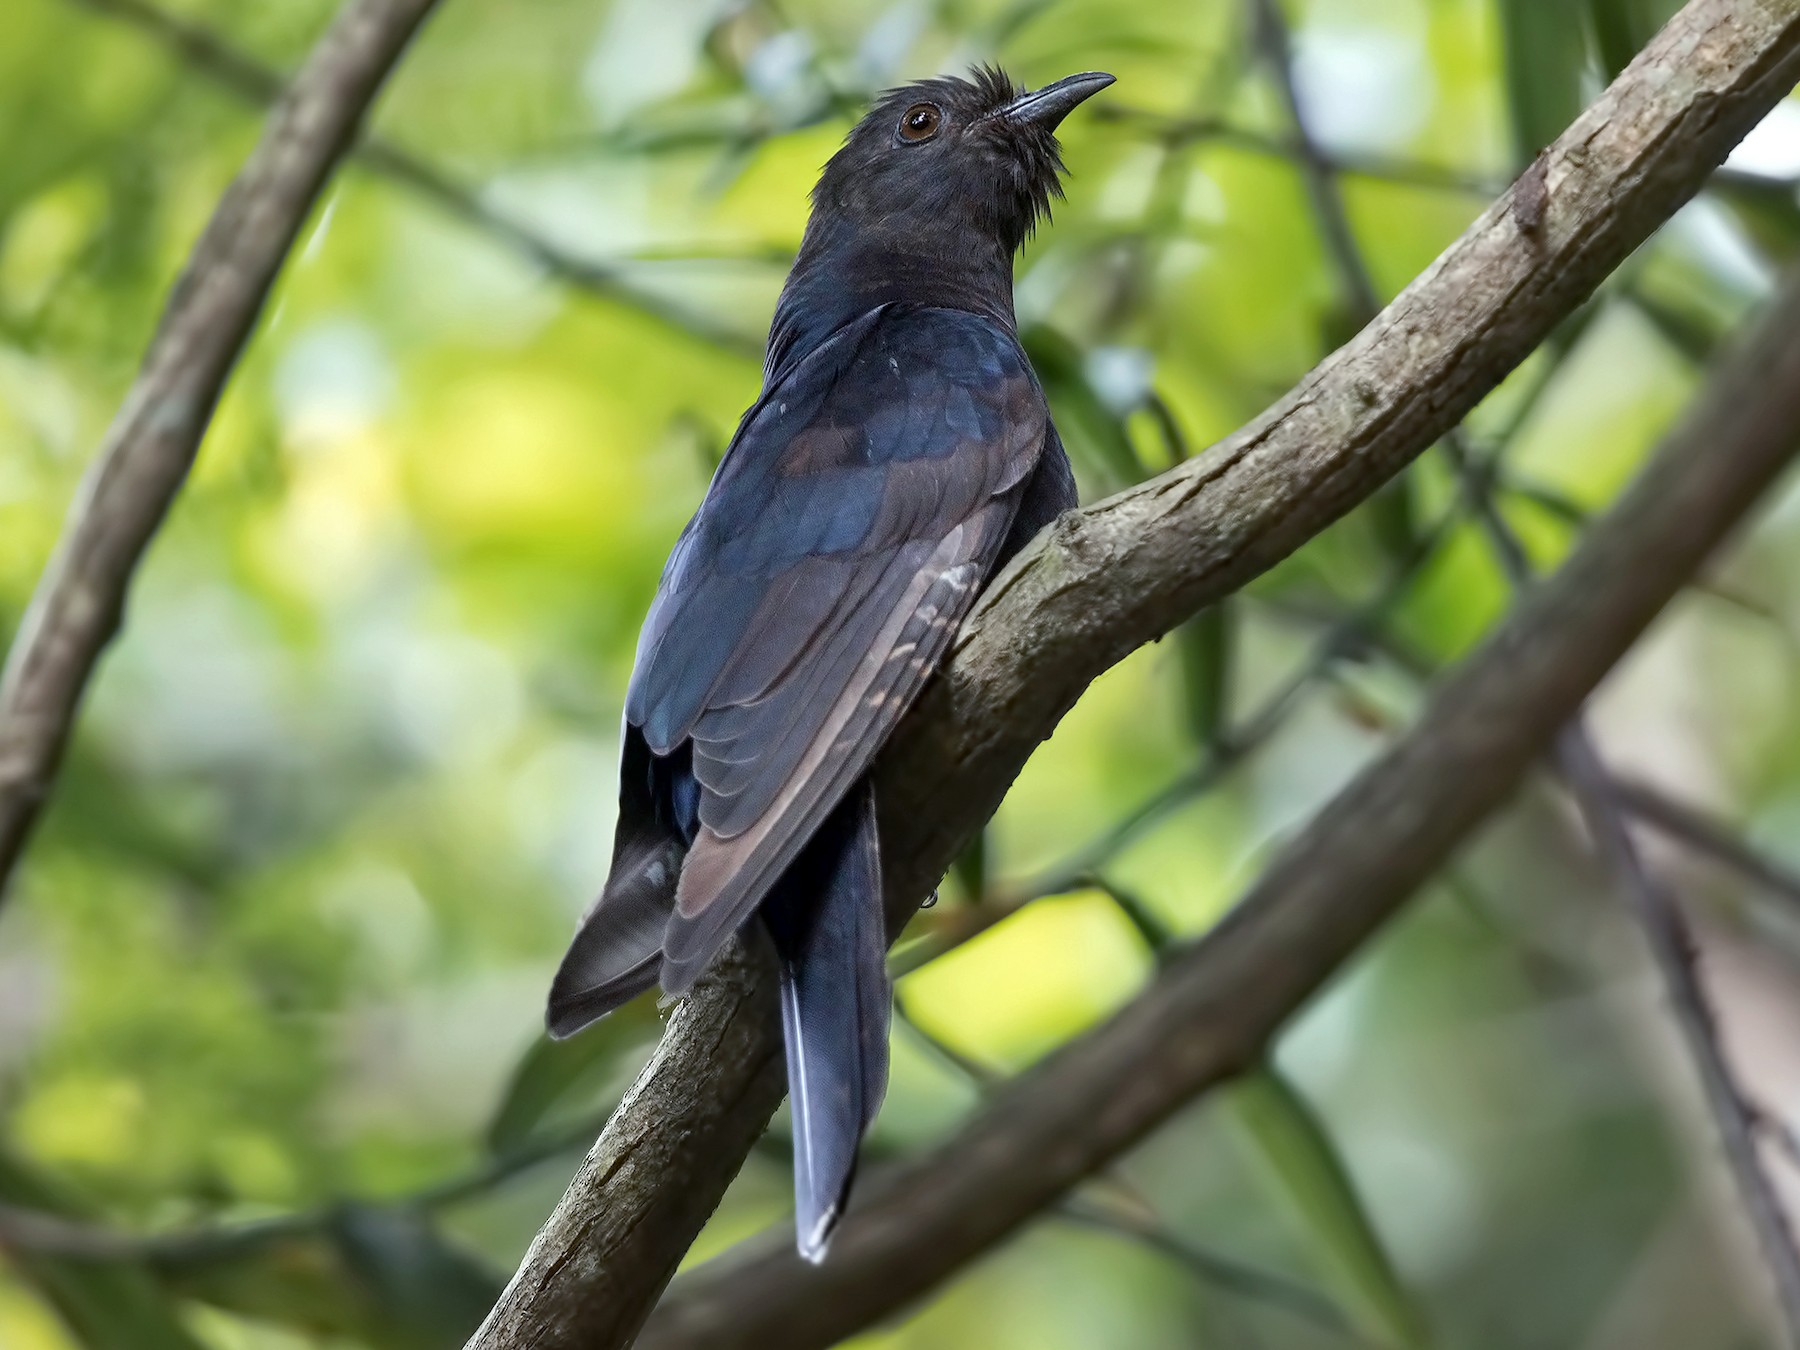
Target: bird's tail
(825,916)
(617,952)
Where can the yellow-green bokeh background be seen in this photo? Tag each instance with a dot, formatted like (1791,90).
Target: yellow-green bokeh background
(343,787)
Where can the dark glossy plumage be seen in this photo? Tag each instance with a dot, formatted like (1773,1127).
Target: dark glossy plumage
(900,451)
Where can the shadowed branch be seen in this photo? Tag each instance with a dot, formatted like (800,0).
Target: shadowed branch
(1577,756)
(1107,579)
(1212,1009)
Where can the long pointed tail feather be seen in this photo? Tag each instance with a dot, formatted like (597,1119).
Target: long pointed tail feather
(826,919)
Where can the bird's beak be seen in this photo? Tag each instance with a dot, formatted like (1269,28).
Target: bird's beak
(1048,106)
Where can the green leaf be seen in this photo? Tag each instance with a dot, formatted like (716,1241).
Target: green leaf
(425,1289)
(1394,514)
(970,868)
(1091,430)
(297,1279)
(557,1074)
(106,1305)
(1546,51)
(380,1274)
(1206,645)
(1688,333)
(1767,213)
(1290,1140)
(1148,925)
(1623,28)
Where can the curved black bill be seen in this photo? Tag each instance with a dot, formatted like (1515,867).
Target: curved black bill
(1048,106)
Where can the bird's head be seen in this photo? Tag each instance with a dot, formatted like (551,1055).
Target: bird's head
(948,156)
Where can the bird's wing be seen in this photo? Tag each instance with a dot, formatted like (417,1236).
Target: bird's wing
(843,539)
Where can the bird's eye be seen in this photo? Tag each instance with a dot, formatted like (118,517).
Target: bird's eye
(921,122)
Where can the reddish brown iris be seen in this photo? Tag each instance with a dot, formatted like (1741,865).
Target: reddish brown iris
(921,122)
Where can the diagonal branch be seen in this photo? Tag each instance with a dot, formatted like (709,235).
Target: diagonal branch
(1105,580)
(1579,761)
(1214,1007)
(79,604)
(1581,766)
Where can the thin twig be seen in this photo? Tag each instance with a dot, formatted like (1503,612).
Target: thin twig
(1579,761)
(1404,172)
(1672,948)
(80,601)
(205,51)
(1693,827)
(1270,33)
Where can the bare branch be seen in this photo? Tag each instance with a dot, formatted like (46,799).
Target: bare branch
(1214,1007)
(1672,949)
(1578,758)
(1696,829)
(79,604)
(1105,580)
(1343,639)
(1316,167)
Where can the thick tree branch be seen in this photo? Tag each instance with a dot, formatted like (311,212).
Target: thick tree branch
(144,460)
(1214,1007)
(1108,579)
(1579,760)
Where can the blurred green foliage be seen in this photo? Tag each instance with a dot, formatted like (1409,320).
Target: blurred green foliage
(271,980)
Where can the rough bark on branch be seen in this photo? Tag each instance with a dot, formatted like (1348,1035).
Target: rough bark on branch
(1212,1010)
(1105,580)
(79,604)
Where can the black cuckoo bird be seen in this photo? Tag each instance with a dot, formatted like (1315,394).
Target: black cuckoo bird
(900,452)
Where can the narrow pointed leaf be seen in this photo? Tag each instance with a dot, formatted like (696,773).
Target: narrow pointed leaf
(1546,52)
(1207,646)
(552,1075)
(1305,1168)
